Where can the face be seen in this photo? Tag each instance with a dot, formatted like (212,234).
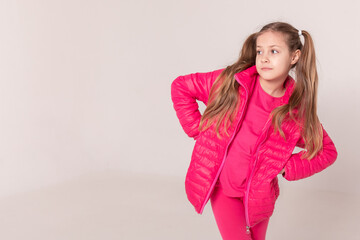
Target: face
(273,59)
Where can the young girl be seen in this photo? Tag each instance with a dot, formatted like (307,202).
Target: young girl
(255,116)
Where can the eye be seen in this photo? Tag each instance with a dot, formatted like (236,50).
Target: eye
(274,51)
(258,52)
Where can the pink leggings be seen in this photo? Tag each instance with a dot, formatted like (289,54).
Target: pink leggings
(229,214)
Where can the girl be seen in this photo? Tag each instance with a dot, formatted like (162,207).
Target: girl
(255,116)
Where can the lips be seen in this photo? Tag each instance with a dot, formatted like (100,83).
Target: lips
(266,69)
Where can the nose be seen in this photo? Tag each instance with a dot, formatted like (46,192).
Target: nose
(264,58)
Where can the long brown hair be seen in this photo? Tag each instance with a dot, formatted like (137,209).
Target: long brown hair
(224,99)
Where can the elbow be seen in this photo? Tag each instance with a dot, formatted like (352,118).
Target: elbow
(176,88)
(331,154)
(334,155)
(174,85)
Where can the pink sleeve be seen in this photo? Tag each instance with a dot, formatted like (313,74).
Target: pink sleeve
(185,90)
(297,168)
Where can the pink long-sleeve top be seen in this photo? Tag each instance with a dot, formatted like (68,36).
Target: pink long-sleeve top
(233,176)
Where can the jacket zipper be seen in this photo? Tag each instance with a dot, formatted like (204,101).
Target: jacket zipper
(249,181)
(223,161)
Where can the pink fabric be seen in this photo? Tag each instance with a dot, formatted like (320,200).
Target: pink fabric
(229,215)
(236,167)
(274,152)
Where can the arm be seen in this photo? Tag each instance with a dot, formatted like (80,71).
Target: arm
(297,168)
(185,90)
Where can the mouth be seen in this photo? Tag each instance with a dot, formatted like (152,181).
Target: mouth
(266,69)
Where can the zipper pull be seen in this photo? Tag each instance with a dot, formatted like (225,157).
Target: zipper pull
(247,229)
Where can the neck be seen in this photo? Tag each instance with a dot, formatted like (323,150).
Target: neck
(274,88)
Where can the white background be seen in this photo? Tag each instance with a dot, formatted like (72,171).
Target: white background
(85,85)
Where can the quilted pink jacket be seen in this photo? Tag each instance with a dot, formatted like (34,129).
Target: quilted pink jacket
(272,153)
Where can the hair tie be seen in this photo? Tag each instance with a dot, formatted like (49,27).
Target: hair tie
(300,33)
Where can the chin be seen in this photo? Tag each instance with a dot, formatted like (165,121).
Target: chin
(267,75)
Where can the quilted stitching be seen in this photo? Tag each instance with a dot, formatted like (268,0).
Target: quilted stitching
(273,155)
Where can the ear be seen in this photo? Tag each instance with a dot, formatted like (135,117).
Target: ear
(295,56)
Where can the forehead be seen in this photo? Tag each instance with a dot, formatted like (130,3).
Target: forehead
(269,38)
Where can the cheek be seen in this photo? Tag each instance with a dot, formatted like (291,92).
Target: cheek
(282,63)
(257,61)
(284,66)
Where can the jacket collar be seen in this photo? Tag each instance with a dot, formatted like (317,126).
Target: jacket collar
(247,77)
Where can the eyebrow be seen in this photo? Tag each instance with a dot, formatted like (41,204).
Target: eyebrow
(270,46)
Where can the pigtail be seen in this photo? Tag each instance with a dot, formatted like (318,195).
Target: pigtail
(223,97)
(302,105)
(307,81)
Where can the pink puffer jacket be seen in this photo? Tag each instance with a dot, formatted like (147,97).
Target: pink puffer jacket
(272,155)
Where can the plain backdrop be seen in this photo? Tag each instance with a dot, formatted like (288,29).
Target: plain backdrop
(85,85)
